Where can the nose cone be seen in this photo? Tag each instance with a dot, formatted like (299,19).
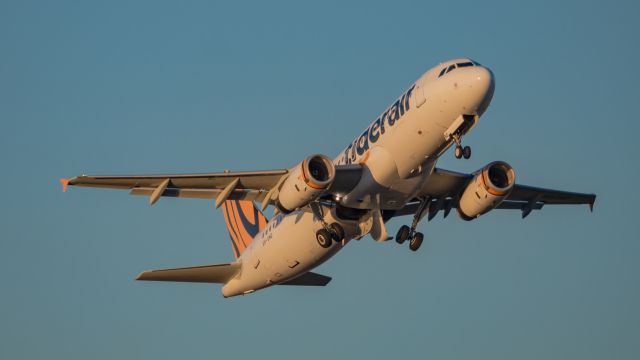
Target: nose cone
(485,85)
(475,85)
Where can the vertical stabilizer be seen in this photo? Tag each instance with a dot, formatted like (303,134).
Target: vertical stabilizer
(244,221)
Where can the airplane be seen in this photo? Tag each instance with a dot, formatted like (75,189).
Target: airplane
(388,170)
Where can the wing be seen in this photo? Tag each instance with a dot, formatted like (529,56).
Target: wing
(249,185)
(444,187)
(252,185)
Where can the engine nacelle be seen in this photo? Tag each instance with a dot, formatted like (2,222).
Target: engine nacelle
(489,187)
(306,182)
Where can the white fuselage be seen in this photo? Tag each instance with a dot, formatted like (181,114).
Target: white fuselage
(398,151)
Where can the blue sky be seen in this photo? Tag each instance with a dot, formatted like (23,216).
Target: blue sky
(161,86)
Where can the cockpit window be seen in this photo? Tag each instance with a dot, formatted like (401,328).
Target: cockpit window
(452,67)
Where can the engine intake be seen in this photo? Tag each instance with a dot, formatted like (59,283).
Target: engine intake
(488,188)
(306,182)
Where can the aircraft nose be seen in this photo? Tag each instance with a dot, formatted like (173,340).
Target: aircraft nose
(481,88)
(474,87)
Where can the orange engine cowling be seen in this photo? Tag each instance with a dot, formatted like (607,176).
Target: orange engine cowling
(488,188)
(307,181)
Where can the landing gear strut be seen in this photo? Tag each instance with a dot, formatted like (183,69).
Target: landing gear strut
(409,233)
(406,233)
(461,151)
(329,232)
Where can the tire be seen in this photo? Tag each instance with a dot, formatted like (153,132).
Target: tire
(458,152)
(403,234)
(416,241)
(324,238)
(466,152)
(337,232)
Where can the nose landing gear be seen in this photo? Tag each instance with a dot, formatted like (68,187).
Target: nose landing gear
(459,127)
(461,152)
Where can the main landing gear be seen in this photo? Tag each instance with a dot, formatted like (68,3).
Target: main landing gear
(330,233)
(461,152)
(409,233)
(415,238)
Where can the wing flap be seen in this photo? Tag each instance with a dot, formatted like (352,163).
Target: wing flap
(443,188)
(248,180)
(519,205)
(412,207)
(550,196)
(219,274)
(253,195)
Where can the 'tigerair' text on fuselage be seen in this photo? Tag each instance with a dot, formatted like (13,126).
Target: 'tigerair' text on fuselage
(376,130)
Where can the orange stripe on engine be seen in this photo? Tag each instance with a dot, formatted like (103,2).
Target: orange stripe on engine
(488,188)
(309,181)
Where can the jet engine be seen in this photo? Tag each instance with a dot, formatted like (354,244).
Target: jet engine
(488,188)
(306,182)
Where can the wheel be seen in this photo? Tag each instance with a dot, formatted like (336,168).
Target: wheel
(324,238)
(458,152)
(337,232)
(466,152)
(416,241)
(403,234)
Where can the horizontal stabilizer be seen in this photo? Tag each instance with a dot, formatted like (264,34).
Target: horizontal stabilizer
(309,279)
(219,274)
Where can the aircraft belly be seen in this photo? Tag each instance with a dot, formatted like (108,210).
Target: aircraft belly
(395,170)
(281,253)
(370,195)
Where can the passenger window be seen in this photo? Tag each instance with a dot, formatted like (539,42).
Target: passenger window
(442,72)
(451,68)
(465,64)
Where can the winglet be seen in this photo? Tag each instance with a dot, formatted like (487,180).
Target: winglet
(592,202)
(65,184)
